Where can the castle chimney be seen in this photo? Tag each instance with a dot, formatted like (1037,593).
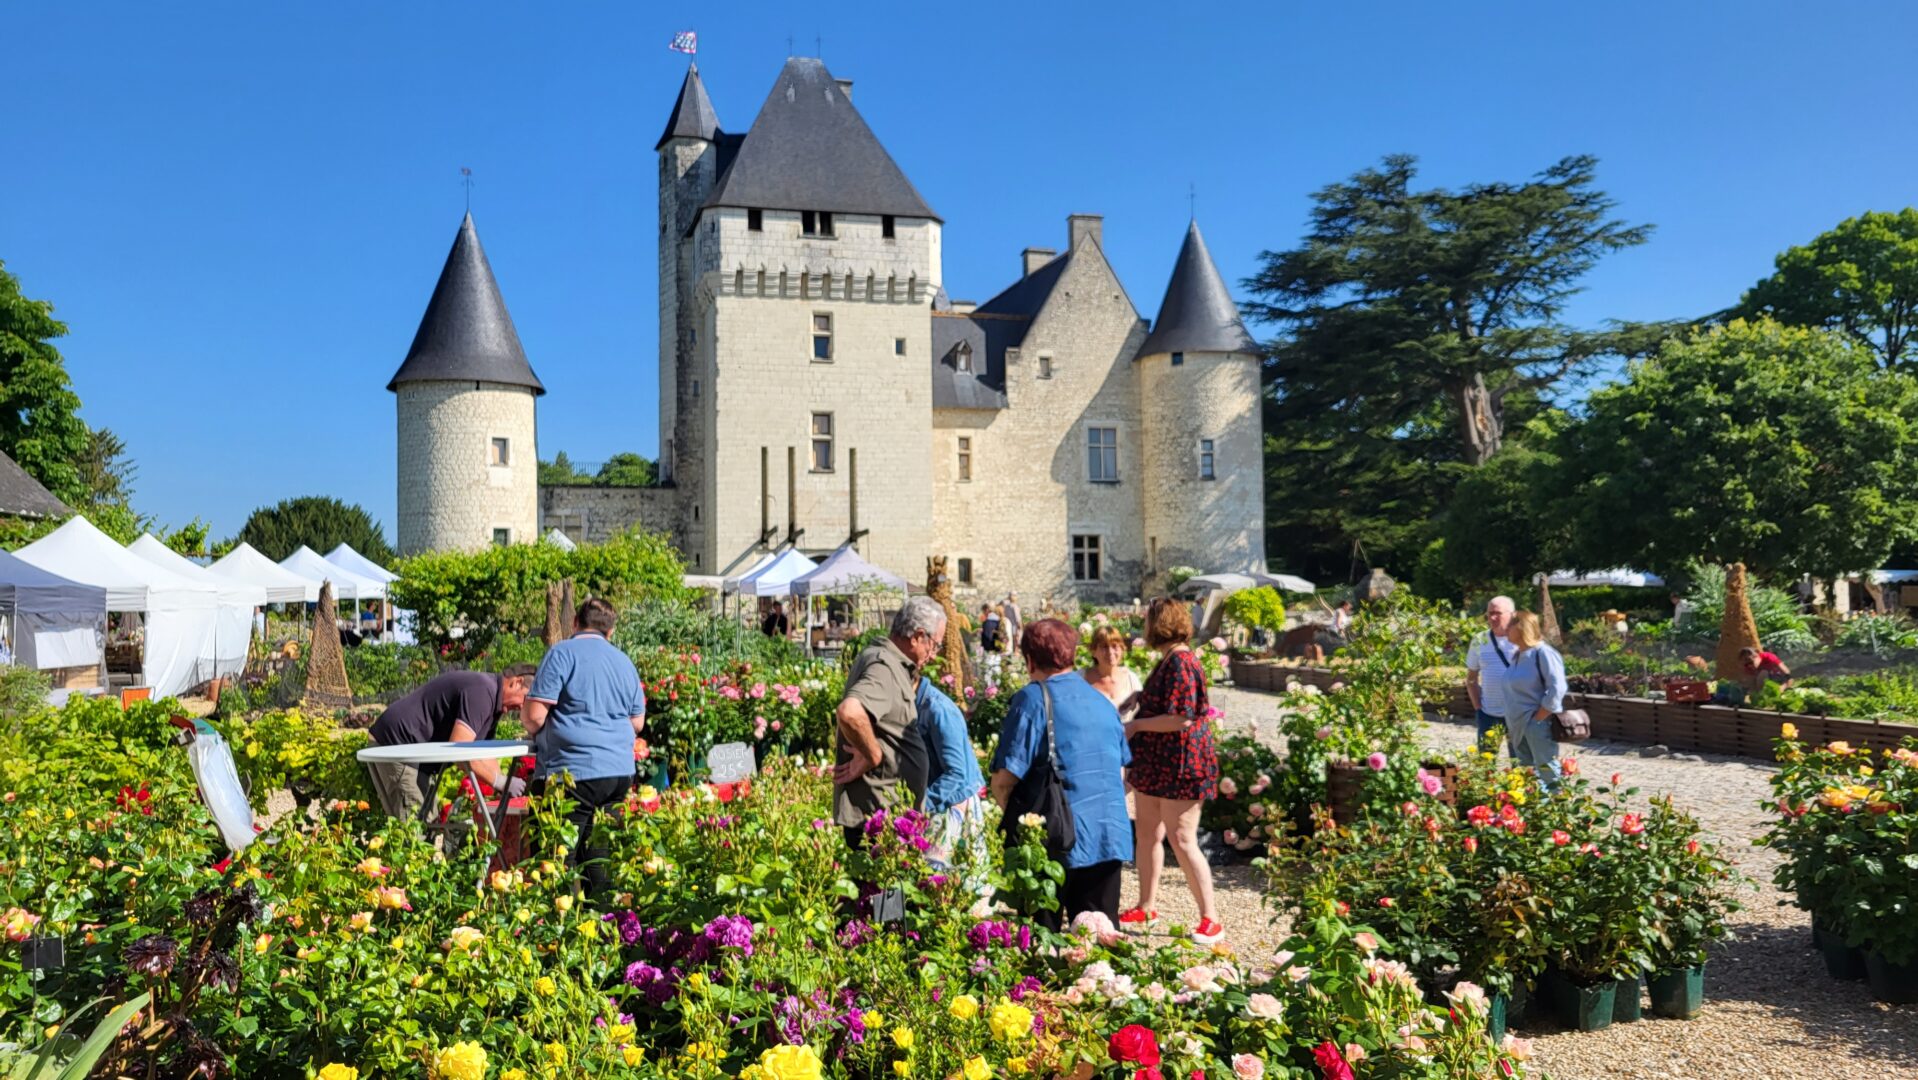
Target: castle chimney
(1083,225)
(845,87)
(1033,258)
(964,307)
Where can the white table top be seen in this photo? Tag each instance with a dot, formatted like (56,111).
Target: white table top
(442,753)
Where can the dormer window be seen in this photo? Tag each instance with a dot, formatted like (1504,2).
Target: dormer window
(815,222)
(962,357)
(886,228)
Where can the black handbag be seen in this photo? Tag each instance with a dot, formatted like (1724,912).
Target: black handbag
(1041,791)
(1572,725)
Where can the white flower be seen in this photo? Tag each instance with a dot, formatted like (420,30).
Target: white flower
(1032,821)
(1469,996)
(1201,978)
(1155,993)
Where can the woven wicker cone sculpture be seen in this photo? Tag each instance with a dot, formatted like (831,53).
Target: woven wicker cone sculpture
(566,611)
(1738,631)
(554,630)
(939,587)
(326,686)
(1548,615)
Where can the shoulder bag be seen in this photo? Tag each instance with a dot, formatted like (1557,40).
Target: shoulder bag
(1571,725)
(1042,791)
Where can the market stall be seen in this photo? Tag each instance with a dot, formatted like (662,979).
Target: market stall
(233,628)
(52,623)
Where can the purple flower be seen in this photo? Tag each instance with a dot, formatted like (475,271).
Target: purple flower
(855,934)
(1028,985)
(1025,939)
(640,974)
(731,932)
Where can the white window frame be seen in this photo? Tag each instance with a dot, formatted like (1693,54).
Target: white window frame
(819,335)
(499,451)
(1208,459)
(1094,472)
(963,459)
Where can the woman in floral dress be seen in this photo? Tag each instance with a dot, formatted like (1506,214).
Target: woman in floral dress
(1175,768)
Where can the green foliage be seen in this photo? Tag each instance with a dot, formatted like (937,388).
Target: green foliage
(1881,635)
(1257,609)
(625,469)
(40,426)
(188,539)
(1784,448)
(1497,527)
(1416,328)
(561,472)
(321,523)
(1781,626)
(23,693)
(65,1056)
(1860,279)
(503,589)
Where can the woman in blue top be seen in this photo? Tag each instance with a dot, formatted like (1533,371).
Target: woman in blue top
(953,784)
(1534,693)
(1092,758)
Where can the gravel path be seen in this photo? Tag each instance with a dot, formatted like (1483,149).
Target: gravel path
(1771,1010)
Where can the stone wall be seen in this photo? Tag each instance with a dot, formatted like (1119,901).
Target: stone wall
(591,514)
(449,496)
(1218,524)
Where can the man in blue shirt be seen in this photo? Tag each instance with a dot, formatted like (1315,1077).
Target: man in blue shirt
(584,711)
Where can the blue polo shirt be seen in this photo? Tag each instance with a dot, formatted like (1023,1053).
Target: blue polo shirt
(594,692)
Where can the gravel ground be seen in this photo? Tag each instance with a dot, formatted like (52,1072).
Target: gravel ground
(1771,1011)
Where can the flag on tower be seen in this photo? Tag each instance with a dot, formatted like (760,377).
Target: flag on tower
(685,41)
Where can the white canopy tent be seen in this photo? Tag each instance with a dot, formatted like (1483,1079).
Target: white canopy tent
(283,586)
(775,577)
(233,629)
(54,622)
(347,585)
(180,613)
(1231,583)
(731,584)
(1617,577)
(843,572)
(559,540)
(343,555)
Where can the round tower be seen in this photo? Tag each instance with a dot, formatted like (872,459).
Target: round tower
(1203,439)
(468,446)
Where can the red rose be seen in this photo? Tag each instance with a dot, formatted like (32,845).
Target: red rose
(1134,1043)
(1149,1073)
(1331,1062)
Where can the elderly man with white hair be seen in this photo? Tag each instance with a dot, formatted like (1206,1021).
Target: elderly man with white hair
(882,760)
(1485,666)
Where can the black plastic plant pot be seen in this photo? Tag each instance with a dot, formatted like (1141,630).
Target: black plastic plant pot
(1896,984)
(43,953)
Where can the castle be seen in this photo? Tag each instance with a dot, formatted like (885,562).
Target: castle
(818,387)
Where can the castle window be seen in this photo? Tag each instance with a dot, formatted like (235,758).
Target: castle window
(899,346)
(886,226)
(695,387)
(821,336)
(962,357)
(1102,455)
(1086,559)
(1178,358)
(502,537)
(815,222)
(965,457)
(1045,367)
(1205,460)
(965,571)
(499,452)
(755,221)
(822,442)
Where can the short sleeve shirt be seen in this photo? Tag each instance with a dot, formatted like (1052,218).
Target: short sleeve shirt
(1490,657)
(1093,755)
(882,681)
(594,692)
(429,712)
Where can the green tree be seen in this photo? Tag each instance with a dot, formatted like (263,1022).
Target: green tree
(561,472)
(1415,327)
(40,425)
(106,471)
(1786,448)
(1860,278)
(1496,526)
(320,523)
(625,470)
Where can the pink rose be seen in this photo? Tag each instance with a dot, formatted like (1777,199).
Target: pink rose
(1375,761)
(1228,787)
(1232,836)
(1247,1067)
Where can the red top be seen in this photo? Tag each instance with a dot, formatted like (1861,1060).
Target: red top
(1767,661)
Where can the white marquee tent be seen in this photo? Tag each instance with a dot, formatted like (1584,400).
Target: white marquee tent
(844,572)
(283,586)
(179,612)
(55,622)
(345,556)
(347,585)
(1617,577)
(233,630)
(775,577)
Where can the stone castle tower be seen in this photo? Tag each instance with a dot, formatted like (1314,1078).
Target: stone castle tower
(468,454)
(798,268)
(1199,399)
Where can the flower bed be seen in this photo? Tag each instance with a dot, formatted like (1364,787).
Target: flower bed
(738,943)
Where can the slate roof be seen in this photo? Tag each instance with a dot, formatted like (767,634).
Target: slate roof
(466,333)
(1197,314)
(23,496)
(984,387)
(1029,294)
(693,116)
(809,149)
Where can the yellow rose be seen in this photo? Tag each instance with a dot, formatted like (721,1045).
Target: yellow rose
(790,1063)
(696,980)
(633,1055)
(262,943)
(376,843)
(588,930)
(965,1007)
(619,1033)
(339,1072)
(563,903)
(701,1051)
(1788,731)
(501,881)
(977,1069)
(872,1020)
(902,1068)
(513,1074)
(556,1053)
(1010,1022)
(463,938)
(1841,748)
(544,986)
(525,955)
(460,1061)
(902,1038)
(1017,1066)
(361,921)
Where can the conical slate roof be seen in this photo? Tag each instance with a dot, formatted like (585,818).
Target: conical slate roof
(693,116)
(466,334)
(1197,314)
(809,149)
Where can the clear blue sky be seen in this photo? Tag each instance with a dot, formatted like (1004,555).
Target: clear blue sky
(240,208)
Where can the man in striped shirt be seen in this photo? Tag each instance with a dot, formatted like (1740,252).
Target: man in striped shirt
(1485,668)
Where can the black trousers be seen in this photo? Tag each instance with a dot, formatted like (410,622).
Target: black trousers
(1092,888)
(589,798)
